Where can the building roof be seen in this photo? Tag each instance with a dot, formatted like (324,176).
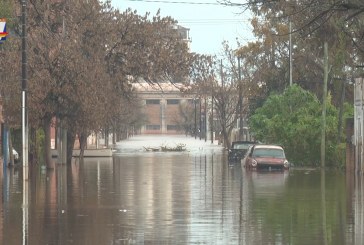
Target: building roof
(160,87)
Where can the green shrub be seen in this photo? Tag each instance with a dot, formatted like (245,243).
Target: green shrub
(293,119)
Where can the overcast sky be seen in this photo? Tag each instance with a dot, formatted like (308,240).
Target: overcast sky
(209,23)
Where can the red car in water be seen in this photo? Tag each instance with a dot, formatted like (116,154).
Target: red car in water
(269,157)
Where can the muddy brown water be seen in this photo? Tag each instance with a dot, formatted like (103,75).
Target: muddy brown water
(192,197)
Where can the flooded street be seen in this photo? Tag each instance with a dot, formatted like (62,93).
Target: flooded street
(192,197)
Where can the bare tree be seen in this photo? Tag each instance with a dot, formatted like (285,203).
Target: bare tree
(82,61)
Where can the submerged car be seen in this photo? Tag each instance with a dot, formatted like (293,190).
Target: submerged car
(238,150)
(270,157)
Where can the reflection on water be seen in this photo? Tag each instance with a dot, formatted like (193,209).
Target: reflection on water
(179,199)
(267,183)
(358,211)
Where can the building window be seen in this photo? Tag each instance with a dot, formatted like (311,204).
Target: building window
(153,127)
(173,102)
(152,102)
(172,127)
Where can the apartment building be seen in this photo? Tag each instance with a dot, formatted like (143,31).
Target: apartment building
(162,106)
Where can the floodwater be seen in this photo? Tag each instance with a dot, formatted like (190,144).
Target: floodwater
(192,197)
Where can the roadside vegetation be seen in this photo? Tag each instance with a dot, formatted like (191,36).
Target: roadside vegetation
(324,42)
(293,119)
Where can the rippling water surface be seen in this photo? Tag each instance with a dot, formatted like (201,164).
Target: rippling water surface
(192,197)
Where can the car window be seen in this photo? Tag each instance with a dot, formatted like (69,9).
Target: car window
(241,147)
(278,153)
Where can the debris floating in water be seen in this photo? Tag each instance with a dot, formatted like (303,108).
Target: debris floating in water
(164,148)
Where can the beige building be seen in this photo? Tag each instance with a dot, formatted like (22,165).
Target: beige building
(162,102)
(162,107)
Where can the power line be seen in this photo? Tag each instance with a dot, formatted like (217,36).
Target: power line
(214,21)
(184,2)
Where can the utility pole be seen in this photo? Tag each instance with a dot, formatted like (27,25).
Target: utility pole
(24,93)
(290,53)
(25,206)
(212,113)
(194,102)
(324,99)
(222,75)
(222,103)
(240,103)
(205,118)
(200,107)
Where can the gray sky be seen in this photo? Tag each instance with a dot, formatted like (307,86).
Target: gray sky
(209,23)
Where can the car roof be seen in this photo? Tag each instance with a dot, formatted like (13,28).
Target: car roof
(268,147)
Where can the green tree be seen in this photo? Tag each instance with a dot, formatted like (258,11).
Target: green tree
(293,120)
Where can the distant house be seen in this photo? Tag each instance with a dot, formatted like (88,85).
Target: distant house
(161,105)
(184,34)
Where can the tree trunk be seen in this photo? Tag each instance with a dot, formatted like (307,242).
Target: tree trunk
(71,137)
(107,137)
(212,119)
(226,139)
(47,143)
(341,109)
(33,146)
(83,143)
(113,136)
